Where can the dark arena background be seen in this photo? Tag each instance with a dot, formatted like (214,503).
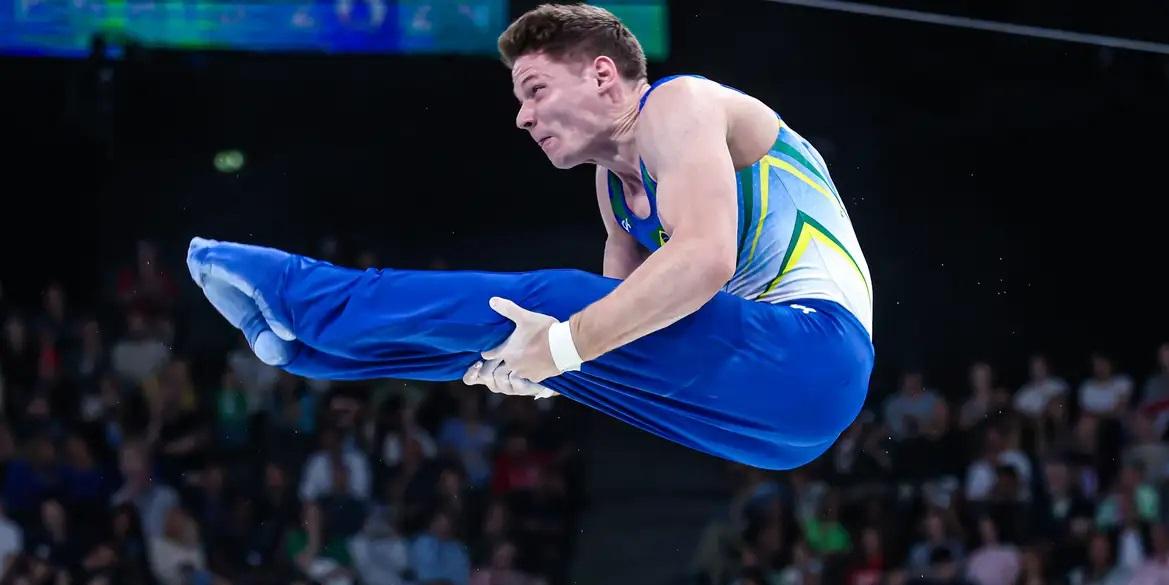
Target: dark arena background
(1004,163)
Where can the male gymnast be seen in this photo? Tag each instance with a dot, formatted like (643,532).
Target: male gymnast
(734,315)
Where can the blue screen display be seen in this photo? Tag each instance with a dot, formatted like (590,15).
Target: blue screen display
(65,28)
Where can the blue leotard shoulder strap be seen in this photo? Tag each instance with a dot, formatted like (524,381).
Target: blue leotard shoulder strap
(658,83)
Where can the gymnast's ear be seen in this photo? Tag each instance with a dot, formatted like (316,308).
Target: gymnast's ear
(605,72)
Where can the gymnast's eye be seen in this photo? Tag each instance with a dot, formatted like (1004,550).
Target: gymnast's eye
(536,89)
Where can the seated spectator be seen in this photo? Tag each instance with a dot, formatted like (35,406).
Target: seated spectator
(470,439)
(943,569)
(88,363)
(940,533)
(437,555)
(177,553)
(19,360)
(1146,450)
(1155,395)
(400,425)
(1099,568)
(11,540)
(804,568)
(517,467)
(1041,388)
(868,565)
(380,555)
(231,413)
(1106,393)
(146,286)
(152,499)
(1155,569)
(319,472)
(138,355)
(907,411)
(824,532)
(1130,488)
(982,473)
(32,477)
(1059,503)
(86,484)
(502,570)
(985,400)
(52,539)
(993,562)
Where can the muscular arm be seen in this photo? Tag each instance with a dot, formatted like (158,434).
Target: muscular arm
(696,201)
(622,253)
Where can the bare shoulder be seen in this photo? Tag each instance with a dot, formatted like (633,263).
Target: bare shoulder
(682,113)
(692,114)
(680,99)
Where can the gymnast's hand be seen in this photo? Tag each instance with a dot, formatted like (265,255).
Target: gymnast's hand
(237,279)
(525,351)
(500,378)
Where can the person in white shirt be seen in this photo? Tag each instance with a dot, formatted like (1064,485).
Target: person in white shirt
(1031,400)
(1106,393)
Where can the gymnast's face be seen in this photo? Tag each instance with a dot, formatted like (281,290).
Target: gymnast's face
(563,106)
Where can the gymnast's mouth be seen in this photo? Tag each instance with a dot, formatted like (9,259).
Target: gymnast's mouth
(544,141)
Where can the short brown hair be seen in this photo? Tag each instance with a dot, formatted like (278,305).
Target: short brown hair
(564,31)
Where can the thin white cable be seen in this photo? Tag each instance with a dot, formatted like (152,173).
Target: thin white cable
(978,24)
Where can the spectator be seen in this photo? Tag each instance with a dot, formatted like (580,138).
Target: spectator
(502,570)
(517,467)
(181,434)
(52,540)
(86,485)
(86,366)
(994,562)
(277,510)
(805,568)
(985,400)
(1146,449)
(1155,570)
(1033,398)
(824,533)
(231,413)
(54,319)
(11,540)
(469,438)
(398,426)
(31,478)
(320,471)
(146,287)
(1106,393)
(1059,503)
(380,554)
(138,355)
(943,569)
(983,472)
(868,566)
(436,554)
(940,533)
(1099,567)
(19,362)
(152,500)
(1130,489)
(1155,396)
(907,411)
(176,553)
(256,379)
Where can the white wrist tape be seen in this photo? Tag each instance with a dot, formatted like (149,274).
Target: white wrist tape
(564,353)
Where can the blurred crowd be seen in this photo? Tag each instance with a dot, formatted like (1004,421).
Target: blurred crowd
(1050,481)
(131,456)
